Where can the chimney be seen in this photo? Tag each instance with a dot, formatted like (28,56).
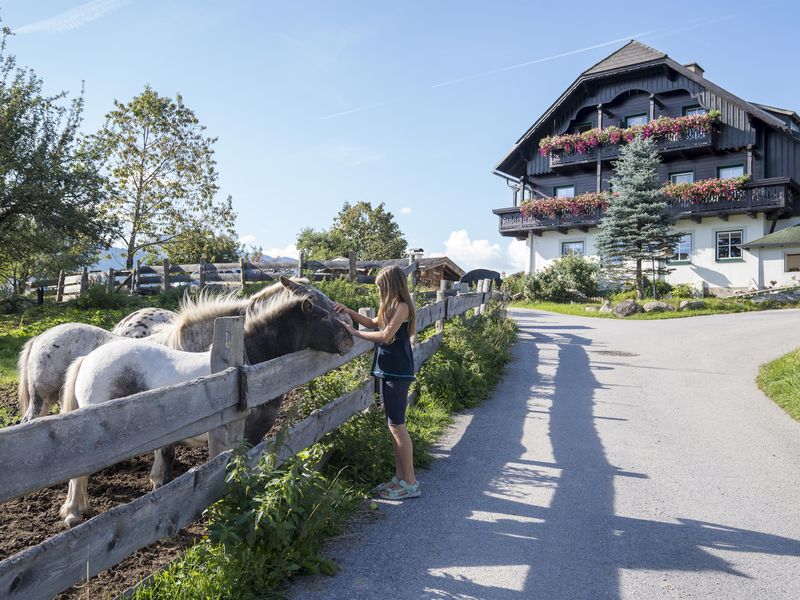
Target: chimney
(695,68)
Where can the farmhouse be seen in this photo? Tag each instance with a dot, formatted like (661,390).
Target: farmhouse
(730,170)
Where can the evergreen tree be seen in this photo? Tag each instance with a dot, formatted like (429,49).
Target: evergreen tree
(637,225)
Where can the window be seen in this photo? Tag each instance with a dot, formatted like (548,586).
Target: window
(792,263)
(683,250)
(730,172)
(693,111)
(683,177)
(575,248)
(581,127)
(635,120)
(564,191)
(728,245)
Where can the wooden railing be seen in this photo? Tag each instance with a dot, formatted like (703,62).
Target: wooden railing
(52,449)
(696,138)
(765,195)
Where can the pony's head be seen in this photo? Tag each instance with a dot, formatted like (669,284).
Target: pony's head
(295,286)
(295,323)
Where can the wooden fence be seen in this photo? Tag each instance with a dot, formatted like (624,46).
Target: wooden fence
(52,449)
(153,279)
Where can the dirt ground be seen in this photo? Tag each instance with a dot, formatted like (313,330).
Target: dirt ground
(33,518)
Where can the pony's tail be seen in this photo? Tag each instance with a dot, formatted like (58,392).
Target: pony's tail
(69,401)
(23,392)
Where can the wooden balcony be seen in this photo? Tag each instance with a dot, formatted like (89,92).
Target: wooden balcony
(692,140)
(776,196)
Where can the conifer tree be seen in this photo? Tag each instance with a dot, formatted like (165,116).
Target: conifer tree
(637,226)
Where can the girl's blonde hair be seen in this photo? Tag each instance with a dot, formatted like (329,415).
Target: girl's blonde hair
(393,289)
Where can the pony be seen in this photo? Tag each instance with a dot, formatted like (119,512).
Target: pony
(44,359)
(122,368)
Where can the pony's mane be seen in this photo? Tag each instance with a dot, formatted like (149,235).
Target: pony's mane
(262,314)
(191,311)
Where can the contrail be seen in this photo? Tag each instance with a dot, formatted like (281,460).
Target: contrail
(355,110)
(545,59)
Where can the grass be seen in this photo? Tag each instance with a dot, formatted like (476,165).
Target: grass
(780,380)
(714,306)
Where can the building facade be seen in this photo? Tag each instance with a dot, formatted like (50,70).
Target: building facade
(730,170)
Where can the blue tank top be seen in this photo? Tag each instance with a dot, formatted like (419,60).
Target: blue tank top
(394,360)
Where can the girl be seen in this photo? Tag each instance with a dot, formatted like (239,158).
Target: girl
(393,365)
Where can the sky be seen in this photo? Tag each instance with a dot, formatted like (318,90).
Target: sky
(409,103)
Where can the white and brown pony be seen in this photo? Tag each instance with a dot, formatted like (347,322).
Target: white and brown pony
(45,358)
(122,368)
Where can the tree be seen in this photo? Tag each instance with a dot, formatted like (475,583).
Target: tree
(51,191)
(637,225)
(371,232)
(203,245)
(162,178)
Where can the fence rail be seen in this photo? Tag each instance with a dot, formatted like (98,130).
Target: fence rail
(86,440)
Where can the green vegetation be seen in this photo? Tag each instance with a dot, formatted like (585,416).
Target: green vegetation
(714,306)
(780,380)
(272,523)
(569,278)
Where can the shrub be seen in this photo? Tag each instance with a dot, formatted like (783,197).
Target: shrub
(353,295)
(682,290)
(515,284)
(99,296)
(569,278)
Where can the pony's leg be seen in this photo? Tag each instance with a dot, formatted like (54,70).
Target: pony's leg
(77,502)
(37,406)
(162,466)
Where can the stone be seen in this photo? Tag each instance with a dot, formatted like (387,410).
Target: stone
(518,296)
(657,306)
(692,305)
(626,308)
(590,309)
(606,307)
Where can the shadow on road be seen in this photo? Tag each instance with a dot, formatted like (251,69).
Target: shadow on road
(574,547)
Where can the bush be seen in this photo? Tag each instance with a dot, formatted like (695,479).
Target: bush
(515,284)
(99,296)
(570,278)
(682,290)
(353,295)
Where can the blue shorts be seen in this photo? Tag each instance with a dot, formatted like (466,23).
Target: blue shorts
(395,399)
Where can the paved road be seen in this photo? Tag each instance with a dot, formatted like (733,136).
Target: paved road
(617,459)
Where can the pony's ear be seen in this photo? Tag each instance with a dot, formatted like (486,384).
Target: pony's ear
(291,285)
(307,305)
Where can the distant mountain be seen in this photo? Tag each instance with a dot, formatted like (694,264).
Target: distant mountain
(114,258)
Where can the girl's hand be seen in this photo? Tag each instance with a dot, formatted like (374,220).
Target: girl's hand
(340,308)
(350,329)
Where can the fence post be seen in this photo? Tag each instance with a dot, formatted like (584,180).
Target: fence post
(439,297)
(367,312)
(39,296)
(166,282)
(351,258)
(242,272)
(111,278)
(84,281)
(301,264)
(60,287)
(202,274)
(227,350)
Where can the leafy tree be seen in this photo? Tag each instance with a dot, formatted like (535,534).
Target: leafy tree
(637,225)
(203,245)
(162,178)
(371,232)
(51,191)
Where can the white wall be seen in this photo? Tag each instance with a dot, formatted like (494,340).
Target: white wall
(704,268)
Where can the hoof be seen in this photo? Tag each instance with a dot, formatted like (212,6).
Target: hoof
(156,484)
(73,520)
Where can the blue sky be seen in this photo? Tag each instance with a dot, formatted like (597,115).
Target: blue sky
(318,103)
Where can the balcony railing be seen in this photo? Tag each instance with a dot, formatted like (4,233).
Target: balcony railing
(768,195)
(694,138)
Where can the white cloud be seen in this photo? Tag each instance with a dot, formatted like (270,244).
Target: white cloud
(74,17)
(405,210)
(248,240)
(481,254)
(289,251)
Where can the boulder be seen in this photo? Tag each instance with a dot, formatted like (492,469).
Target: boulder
(518,296)
(657,306)
(692,305)
(590,309)
(626,308)
(606,307)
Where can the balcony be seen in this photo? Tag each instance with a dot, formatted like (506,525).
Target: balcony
(691,140)
(775,196)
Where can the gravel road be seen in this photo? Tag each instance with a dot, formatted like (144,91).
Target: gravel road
(617,459)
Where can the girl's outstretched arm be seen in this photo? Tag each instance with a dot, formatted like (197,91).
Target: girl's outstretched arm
(385,335)
(356,316)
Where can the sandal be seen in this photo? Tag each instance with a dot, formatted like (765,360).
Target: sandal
(386,485)
(403,492)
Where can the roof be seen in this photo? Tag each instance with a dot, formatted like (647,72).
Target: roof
(785,237)
(633,55)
